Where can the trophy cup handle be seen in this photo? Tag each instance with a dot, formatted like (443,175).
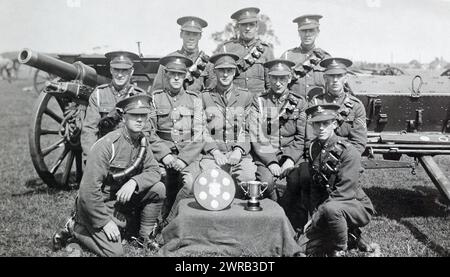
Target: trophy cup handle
(242,184)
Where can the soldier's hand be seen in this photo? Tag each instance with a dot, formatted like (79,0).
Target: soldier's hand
(275,169)
(220,158)
(179,165)
(169,161)
(112,231)
(235,156)
(126,191)
(286,165)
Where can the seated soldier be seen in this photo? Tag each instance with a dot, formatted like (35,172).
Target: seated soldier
(121,179)
(226,107)
(340,206)
(178,121)
(352,114)
(104,98)
(277,124)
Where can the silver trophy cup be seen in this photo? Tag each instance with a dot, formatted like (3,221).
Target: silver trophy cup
(254,190)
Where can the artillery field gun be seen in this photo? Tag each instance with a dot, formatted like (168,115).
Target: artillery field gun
(406,115)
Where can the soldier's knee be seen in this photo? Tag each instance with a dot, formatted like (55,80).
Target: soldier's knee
(159,189)
(331,210)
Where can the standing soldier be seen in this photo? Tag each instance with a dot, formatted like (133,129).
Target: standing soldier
(226,108)
(104,98)
(121,179)
(178,120)
(252,52)
(197,76)
(352,114)
(307,56)
(277,123)
(340,206)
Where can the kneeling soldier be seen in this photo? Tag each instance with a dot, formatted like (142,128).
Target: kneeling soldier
(226,107)
(121,179)
(339,204)
(277,123)
(178,120)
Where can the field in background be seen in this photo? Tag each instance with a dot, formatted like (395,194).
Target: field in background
(410,222)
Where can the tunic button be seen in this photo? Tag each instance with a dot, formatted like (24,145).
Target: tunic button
(323,151)
(174,109)
(246,79)
(307,86)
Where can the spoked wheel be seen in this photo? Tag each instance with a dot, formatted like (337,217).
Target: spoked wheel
(39,79)
(56,158)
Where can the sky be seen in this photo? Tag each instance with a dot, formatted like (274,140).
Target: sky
(362,30)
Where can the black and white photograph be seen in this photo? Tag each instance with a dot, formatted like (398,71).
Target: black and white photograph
(239,128)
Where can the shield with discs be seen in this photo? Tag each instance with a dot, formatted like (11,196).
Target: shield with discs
(214,189)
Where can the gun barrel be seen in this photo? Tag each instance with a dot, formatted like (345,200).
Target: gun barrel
(67,71)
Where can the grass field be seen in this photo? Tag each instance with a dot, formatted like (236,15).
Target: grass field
(411,222)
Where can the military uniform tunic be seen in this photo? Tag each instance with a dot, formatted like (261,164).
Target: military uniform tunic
(255,77)
(351,119)
(97,205)
(102,101)
(226,124)
(277,128)
(312,78)
(339,203)
(198,84)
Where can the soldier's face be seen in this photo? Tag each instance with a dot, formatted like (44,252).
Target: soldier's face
(308,36)
(121,77)
(323,130)
(135,122)
(175,79)
(335,83)
(225,75)
(190,40)
(248,31)
(279,83)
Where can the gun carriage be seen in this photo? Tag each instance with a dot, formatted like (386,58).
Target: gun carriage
(54,135)
(406,115)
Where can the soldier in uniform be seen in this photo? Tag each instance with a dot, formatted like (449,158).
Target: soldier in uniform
(179,123)
(226,107)
(307,56)
(121,180)
(340,206)
(252,52)
(352,114)
(277,123)
(198,75)
(104,98)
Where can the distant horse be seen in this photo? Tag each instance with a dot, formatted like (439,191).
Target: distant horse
(8,68)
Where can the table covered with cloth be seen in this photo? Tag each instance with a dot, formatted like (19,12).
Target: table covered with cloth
(231,232)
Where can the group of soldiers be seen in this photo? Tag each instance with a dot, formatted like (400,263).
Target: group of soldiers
(292,122)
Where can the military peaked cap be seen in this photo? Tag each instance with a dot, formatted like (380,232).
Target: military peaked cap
(176,63)
(246,15)
(309,21)
(121,59)
(322,112)
(279,66)
(192,23)
(224,60)
(335,65)
(137,104)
